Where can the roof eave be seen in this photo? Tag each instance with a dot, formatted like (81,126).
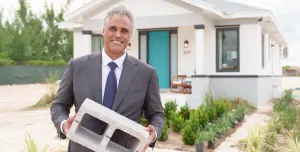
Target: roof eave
(259,14)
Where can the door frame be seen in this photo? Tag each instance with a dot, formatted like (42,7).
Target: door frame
(172,30)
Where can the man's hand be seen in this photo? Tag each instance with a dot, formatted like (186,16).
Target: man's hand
(152,135)
(66,125)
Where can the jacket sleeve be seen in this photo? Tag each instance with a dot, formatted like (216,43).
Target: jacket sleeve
(60,108)
(153,106)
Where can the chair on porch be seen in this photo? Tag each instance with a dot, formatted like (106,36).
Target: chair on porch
(182,83)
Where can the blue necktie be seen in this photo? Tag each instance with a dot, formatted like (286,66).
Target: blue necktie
(110,87)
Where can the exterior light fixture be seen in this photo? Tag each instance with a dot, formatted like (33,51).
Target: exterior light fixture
(186,43)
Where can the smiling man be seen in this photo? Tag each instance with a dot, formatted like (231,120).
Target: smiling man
(114,79)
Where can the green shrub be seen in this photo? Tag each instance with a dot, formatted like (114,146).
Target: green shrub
(211,113)
(177,122)
(240,113)
(164,134)
(288,95)
(47,63)
(194,121)
(280,105)
(202,117)
(185,112)
(201,137)
(288,117)
(5,62)
(222,106)
(188,136)
(170,106)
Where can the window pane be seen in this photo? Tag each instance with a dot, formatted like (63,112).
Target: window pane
(228,49)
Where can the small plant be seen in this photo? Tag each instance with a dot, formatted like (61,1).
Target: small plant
(256,139)
(177,122)
(31,145)
(208,98)
(293,143)
(170,106)
(188,136)
(288,117)
(185,112)
(211,138)
(240,113)
(212,113)
(48,98)
(221,107)
(288,95)
(280,105)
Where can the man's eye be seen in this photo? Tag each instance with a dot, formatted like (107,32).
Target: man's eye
(124,30)
(112,28)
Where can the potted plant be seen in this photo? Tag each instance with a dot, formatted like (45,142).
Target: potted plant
(201,138)
(211,138)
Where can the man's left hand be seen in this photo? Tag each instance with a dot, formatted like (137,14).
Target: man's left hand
(152,135)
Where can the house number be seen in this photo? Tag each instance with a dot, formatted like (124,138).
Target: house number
(186,52)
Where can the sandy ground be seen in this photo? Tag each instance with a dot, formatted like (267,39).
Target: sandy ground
(15,121)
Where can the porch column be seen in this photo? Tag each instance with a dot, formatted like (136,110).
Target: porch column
(77,44)
(199,49)
(87,42)
(200,81)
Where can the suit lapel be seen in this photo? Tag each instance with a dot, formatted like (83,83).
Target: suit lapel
(94,75)
(127,75)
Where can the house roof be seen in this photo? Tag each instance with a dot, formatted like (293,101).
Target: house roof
(225,9)
(229,6)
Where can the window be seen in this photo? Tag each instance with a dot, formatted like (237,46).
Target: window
(228,59)
(262,50)
(97,42)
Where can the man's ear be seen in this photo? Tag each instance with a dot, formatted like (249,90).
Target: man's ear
(103,31)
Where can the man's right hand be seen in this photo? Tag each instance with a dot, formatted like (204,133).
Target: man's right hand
(67,124)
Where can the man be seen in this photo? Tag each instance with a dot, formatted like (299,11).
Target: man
(111,78)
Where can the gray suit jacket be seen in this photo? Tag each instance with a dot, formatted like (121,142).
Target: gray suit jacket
(138,90)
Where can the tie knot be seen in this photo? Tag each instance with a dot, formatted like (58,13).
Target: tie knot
(112,66)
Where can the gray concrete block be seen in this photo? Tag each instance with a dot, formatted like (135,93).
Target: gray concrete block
(101,143)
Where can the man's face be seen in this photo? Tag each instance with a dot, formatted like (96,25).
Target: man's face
(117,33)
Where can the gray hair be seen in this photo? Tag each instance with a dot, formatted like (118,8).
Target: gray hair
(120,10)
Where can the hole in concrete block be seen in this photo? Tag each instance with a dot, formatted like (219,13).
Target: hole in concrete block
(122,142)
(91,128)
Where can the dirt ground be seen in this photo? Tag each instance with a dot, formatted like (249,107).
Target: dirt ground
(15,121)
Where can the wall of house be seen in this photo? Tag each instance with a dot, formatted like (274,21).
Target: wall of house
(186,56)
(134,49)
(290,82)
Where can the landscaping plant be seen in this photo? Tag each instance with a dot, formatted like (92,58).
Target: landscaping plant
(185,112)
(177,122)
(188,135)
(170,106)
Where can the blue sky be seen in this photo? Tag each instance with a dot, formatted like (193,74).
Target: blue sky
(286,12)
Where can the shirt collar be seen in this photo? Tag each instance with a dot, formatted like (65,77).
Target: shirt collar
(106,59)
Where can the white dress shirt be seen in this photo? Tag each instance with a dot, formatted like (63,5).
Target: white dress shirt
(105,71)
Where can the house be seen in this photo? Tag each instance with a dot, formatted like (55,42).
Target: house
(233,49)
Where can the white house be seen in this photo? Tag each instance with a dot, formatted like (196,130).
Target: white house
(231,48)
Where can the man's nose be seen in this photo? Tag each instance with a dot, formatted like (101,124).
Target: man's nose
(118,34)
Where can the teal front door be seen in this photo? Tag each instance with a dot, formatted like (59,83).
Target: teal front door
(159,55)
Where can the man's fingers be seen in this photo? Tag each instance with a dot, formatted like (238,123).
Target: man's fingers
(71,119)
